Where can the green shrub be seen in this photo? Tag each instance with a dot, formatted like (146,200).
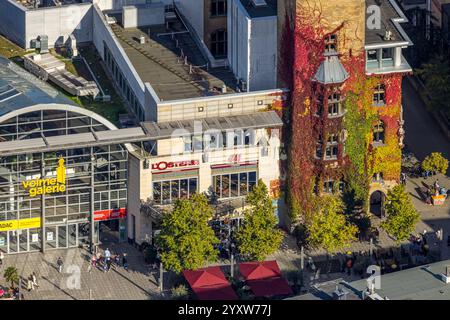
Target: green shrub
(179,293)
(435,162)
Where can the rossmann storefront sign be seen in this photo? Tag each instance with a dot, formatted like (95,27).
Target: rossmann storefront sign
(38,187)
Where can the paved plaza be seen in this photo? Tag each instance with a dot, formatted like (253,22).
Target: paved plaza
(138,283)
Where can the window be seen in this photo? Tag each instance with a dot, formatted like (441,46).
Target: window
(334,105)
(219,44)
(332,149)
(378,133)
(328,186)
(378,177)
(379,96)
(218,8)
(233,185)
(387,57)
(372,55)
(166,192)
(331,43)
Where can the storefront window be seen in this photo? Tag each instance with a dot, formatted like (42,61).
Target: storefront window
(234,185)
(3,242)
(166,192)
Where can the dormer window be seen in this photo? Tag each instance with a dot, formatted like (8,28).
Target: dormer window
(331,43)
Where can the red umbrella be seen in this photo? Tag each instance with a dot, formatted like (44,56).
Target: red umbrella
(259,270)
(210,284)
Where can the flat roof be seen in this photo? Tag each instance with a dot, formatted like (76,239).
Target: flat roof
(389,13)
(30,4)
(158,61)
(419,283)
(268,10)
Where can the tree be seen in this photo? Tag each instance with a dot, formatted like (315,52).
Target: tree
(11,275)
(186,239)
(328,228)
(435,162)
(436,74)
(258,236)
(402,217)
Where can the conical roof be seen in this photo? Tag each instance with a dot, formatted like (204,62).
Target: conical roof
(331,70)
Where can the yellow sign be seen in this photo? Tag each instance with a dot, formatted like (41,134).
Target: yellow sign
(49,185)
(20,224)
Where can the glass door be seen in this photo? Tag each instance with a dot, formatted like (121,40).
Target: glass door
(12,241)
(23,240)
(62,236)
(72,235)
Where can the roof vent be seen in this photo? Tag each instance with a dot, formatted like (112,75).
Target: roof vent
(259,3)
(446,276)
(388,35)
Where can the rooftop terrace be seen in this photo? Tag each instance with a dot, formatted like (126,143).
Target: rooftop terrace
(165,61)
(35,4)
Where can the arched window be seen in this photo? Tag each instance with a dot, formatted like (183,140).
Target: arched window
(379,133)
(379,95)
(219,43)
(218,8)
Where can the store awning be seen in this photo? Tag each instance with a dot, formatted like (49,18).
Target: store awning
(257,120)
(210,284)
(264,279)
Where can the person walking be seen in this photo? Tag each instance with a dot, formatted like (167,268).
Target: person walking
(34,279)
(94,261)
(403,178)
(125,261)
(29,284)
(60,264)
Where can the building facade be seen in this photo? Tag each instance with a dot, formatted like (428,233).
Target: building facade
(58,181)
(346,115)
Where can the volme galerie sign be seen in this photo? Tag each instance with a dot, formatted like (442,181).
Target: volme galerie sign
(48,185)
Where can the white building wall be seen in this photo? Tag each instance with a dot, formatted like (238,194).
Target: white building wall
(252,47)
(58,23)
(263,54)
(217,106)
(12,21)
(193,10)
(143,15)
(238,40)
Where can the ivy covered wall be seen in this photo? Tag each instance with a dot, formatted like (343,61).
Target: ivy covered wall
(302,44)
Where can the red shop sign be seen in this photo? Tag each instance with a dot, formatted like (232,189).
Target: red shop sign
(170,165)
(110,214)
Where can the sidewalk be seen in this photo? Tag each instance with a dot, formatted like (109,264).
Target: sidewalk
(76,283)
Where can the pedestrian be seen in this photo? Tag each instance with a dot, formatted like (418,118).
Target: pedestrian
(107,254)
(436,185)
(29,284)
(403,178)
(34,279)
(125,261)
(108,265)
(60,264)
(94,261)
(2,256)
(117,260)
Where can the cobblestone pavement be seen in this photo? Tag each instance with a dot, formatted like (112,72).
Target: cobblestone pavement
(138,283)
